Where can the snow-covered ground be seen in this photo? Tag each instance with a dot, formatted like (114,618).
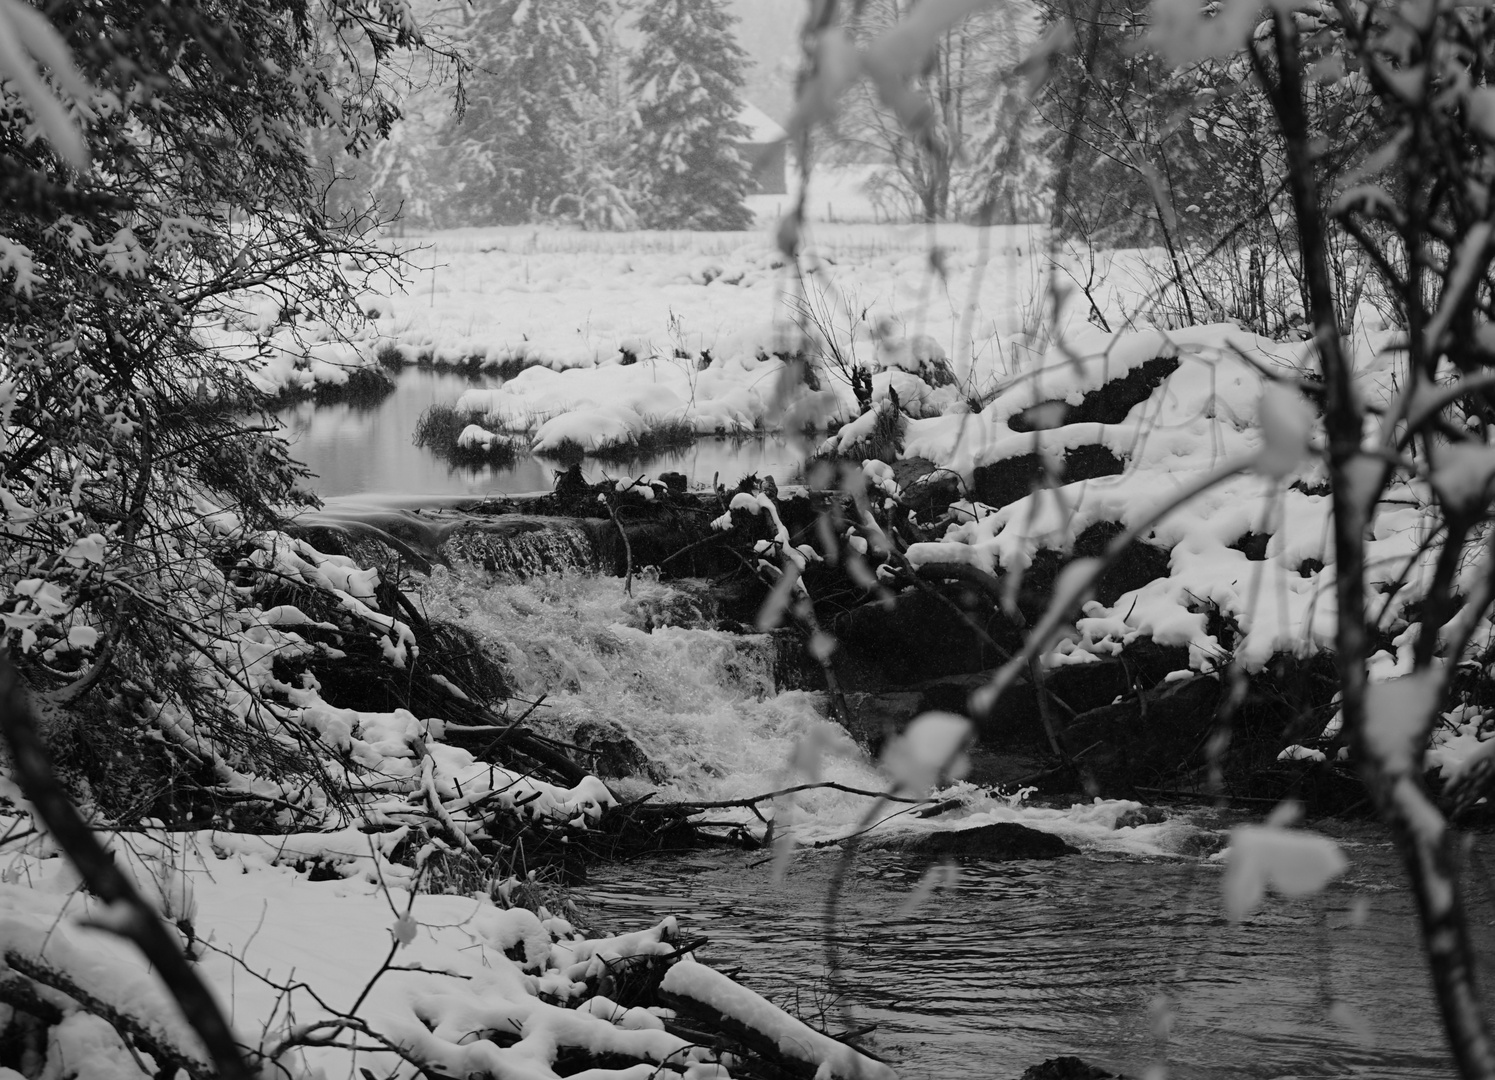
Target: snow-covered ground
(628,331)
(362,974)
(702,314)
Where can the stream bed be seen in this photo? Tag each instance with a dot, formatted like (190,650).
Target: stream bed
(1121,954)
(1019,961)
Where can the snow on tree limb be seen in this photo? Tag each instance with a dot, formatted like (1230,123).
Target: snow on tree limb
(28,44)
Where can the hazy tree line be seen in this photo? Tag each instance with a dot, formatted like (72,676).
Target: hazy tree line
(620,114)
(613,116)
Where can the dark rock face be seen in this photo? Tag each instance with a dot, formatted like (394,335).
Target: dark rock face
(1253,545)
(1009,769)
(1146,738)
(1068,1068)
(872,718)
(793,666)
(612,753)
(999,841)
(1140,563)
(1007,481)
(927,491)
(651,542)
(1108,404)
(919,636)
(1016,721)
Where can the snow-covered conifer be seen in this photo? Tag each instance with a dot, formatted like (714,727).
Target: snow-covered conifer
(686,81)
(538,70)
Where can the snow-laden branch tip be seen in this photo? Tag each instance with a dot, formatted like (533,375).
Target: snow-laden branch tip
(1287,423)
(29,44)
(1292,862)
(932,747)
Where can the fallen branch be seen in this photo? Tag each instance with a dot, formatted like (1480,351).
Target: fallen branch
(134,918)
(830,785)
(127,1025)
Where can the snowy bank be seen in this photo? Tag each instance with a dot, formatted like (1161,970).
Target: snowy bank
(448,984)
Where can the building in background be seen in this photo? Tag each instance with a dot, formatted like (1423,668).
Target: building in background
(764,149)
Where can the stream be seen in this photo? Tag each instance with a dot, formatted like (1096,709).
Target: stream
(1025,961)
(1121,954)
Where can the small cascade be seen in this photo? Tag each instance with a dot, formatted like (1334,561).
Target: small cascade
(704,706)
(368,533)
(664,701)
(521,546)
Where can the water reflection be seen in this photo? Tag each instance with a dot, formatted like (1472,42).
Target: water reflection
(1026,961)
(359,451)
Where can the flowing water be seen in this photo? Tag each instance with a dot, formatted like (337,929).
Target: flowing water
(1121,954)
(701,703)
(358,450)
(1089,955)
(1085,955)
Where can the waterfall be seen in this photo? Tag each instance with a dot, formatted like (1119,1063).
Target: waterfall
(521,546)
(702,704)
(695,713)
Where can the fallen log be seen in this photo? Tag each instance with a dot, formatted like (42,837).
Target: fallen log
(704,994)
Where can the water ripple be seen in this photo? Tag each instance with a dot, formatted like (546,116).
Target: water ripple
(1024,961)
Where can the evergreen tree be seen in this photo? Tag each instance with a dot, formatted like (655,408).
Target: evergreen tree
(538,71)
(687,81)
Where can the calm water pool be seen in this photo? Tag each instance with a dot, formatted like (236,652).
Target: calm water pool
(368,451)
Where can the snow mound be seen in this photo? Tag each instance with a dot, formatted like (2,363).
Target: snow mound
(1199,419)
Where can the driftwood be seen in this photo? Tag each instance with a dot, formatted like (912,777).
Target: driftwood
(702,1023)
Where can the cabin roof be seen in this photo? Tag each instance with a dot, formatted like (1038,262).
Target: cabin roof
(762,128)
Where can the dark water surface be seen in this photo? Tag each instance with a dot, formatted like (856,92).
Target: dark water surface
(1029,960)
(369,450)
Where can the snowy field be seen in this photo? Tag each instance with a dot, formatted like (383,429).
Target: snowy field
(627,332)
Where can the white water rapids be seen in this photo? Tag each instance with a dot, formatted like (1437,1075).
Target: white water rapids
(700,702)
(703,706)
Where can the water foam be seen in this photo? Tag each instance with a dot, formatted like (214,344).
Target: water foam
(702,703)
